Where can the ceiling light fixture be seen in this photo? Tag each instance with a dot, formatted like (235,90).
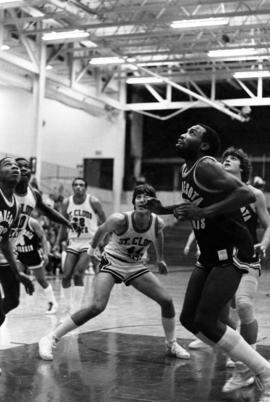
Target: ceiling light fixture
(144,80)
(5,47)
(88,43)
(235,52)
(75,34)
(106,60)
(199,22)
(252,74)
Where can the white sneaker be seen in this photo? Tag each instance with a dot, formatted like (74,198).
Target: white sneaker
(197,344)
(46,346)
(174,349)
(230,363)
(242,377)
(52,308)
(263,384)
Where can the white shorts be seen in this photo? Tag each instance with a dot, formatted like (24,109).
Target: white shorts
(248,285)
(120,270)
(77,246)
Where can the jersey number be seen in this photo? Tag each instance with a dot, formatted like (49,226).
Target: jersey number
(135,254)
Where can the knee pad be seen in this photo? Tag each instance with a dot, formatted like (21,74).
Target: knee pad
(245,310)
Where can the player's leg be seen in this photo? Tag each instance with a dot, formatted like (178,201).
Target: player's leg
(149,285)
(78,279)
(102,287)
(244,300)
(39,273)
(68,269)
(11,289)
(219,288)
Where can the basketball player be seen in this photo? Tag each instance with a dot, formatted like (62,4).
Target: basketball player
(132,234)
(213,201)
(237,163)
(32,252)
(28,199)
(10,277)
(85,212)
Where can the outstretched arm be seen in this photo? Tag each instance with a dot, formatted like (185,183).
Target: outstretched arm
(51,213)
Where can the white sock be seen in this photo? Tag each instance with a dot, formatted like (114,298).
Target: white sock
(49,294)
(169,328)
(239,350)
(78,292)
(67,326)
(67,293)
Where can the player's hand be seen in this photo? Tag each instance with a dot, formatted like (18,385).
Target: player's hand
(154,205)
(187,211)
(162,267)
(260,250)
(186,250)
(27,283)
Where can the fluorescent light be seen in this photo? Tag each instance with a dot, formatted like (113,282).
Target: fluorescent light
(252,74)
(202,22)
(106,60)
(88,43)
(10,3)
(34,12)
(144,80)
(234,52)
(75,34)
(5,47)
(49,67)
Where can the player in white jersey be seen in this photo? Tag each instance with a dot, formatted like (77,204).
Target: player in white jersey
(132,234)
(85,213)
(28,199)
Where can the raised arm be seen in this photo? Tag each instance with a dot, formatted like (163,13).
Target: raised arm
(51,213)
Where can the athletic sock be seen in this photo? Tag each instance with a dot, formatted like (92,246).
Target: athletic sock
(78,292)
(169,328)
(67,326)
(239,350)
(67,293)
(49,294)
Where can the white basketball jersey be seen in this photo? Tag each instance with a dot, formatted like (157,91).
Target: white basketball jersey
(26,205)
(83,217)
(130,246)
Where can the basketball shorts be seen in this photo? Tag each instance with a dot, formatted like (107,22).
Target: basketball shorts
(120,270)
(77,246)
(32,260)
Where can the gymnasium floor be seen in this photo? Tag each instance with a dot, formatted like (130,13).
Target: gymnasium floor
(119,356)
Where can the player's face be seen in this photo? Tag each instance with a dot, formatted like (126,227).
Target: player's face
(25,169)
(232,164)
(140,201)
(9,170)
(188,144)
(79,187)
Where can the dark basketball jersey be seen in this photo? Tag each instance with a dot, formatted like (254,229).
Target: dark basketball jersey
(8,214)
(251,220)
(29,245)
(219,235)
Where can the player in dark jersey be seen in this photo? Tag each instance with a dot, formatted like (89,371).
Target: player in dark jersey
(28,199)
(213,201)
(131,235)
(32,253)
(10,277)
(237,163)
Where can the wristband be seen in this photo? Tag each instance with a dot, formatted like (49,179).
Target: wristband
(91,251)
